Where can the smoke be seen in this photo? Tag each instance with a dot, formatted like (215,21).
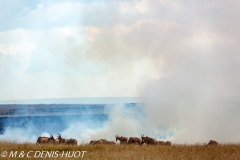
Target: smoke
(195,95)
(83,128)
(120,119)
(182,59)
(199,98)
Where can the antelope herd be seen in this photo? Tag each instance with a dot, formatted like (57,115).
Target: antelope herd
(58,140)
(123,140)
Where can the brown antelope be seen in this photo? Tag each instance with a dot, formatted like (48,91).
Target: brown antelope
(134,140)
(66,141)
(95,142)
(60,140)
(212,143)
(104,141)
(148,140)
(168,143)
(72,141)
(121,139)
(46,139)
(161,143)
(111,142)
(143,138)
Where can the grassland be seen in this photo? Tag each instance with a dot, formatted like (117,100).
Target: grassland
(124,152)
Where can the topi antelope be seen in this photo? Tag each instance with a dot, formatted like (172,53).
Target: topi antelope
(148,140)
(161,143)
(45,139)
(134,140)
(121,139)
(95,142)
(212,143)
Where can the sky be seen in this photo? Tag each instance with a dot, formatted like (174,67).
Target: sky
(60,49)
(181,57)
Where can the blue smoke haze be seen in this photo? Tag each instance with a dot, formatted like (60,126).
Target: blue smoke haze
(25,122)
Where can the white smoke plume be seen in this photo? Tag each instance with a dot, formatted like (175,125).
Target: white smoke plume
(122,120)
(189,81)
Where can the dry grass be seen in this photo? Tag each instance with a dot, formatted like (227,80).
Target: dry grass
(132,152)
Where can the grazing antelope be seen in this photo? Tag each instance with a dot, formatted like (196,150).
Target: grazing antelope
(95,142)
(148,140)
(121,139)
(111,142)
(134,140)
(59,139)
(161,143)
(72,141)
(45,139)
(168,143)
(104,141)
(212,143)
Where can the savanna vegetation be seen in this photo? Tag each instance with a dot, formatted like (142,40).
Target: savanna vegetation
(120,152)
